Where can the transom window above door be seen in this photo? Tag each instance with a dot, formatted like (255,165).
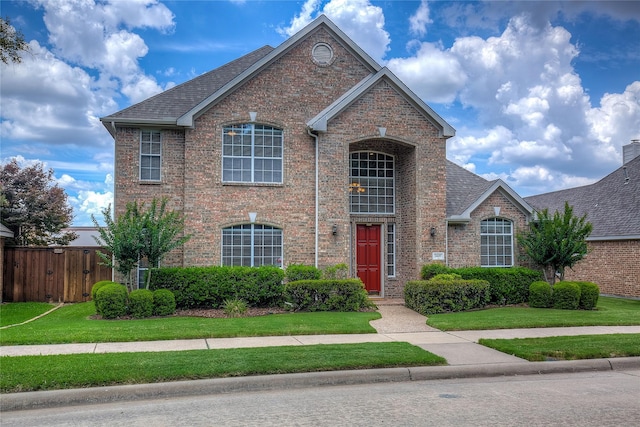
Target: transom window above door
(252,153)
(371,183)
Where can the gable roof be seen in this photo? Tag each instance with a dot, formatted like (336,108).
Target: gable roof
(466,191)
(180,105)
(320,121)
(612,204)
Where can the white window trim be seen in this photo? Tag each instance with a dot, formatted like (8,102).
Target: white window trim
(393,184)
(253,229)
(253,156)
(392,240)
(151,132)
(511,255)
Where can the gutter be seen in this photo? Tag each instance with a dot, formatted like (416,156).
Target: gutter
(315,137)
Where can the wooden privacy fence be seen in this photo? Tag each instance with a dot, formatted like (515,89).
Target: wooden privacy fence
(51,274)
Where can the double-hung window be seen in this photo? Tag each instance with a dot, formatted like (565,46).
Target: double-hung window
(371,183)
(496,243)
(252,153)
(150,155)
(252,245)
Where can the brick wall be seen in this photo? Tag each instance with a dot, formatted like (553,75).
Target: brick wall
(613,265)
(464,239)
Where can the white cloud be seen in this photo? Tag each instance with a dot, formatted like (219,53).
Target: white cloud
(418,21)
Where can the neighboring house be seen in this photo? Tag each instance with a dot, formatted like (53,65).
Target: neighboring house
(612,205)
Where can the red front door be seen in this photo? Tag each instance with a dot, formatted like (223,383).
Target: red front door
(368,256)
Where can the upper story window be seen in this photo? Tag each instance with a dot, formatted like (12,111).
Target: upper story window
(252,245)
(496,243)
(150,155)
(371,183)
(252,153)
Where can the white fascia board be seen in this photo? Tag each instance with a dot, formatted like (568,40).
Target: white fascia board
(188,118)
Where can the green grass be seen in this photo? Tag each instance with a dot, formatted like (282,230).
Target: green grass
(569,348)
(11,314)
(71,324)
(610,311)
(29,373)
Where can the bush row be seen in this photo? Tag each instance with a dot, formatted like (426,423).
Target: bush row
(506,285)
(327,295)
(112,301)
(446,293)
(564,295)
(209,287)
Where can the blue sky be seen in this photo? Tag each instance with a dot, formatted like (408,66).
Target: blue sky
(542,94)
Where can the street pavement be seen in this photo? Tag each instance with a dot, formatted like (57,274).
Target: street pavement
(465,357)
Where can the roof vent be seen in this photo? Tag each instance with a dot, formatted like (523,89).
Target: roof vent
(322,54)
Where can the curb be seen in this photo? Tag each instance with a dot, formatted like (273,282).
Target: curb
(98,395)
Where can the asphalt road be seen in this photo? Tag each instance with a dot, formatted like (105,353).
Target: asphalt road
(577,399)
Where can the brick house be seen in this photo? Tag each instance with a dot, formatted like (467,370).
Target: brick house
(312,153)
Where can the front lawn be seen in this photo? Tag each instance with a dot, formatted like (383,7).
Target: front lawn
(29,373)
(72,324)
(610,312)
(11,314)
(568,348)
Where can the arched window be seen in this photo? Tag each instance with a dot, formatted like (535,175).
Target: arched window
(251,153)
(252,245)
(371,183)
(496,243)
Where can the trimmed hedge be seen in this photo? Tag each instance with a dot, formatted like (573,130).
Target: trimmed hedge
(97,286)
(208,287)
(302,272)
(540,294)
(327,295)
(111,301)
(141,303)
(507,285)
(589,294)
(441,296)
(566,295)
(428,271)
(164,303)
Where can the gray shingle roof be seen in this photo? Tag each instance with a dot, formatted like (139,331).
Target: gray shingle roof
(463,188)
(174,102)
(612,206)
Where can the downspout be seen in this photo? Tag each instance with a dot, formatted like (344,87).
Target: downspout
(315,137)
(446,242)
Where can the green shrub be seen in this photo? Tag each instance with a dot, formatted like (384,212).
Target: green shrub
(430,270)
(445,277)
(208,287)
(441,296)
(97,286)
(540,294)
(302,272)
(164,303)
(141,303)
(336,272)
(508,285)
(234,307)
(111,300)
(566,295)
(589,294)
(327,295)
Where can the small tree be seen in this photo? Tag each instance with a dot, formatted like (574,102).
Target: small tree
(122,237)
(161,233)
(556,242)
(11,42)
(137,234)
(33,206)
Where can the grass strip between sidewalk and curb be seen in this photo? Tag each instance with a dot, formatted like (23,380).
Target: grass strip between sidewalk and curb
(31,373)
(569,347)
(609,312)
(72,324)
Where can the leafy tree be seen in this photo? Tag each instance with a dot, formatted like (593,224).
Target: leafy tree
(556,242)
(122,238)
(11,42)
(33,207)
(139,234)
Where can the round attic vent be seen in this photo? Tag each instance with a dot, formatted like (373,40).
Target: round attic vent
(322,54)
